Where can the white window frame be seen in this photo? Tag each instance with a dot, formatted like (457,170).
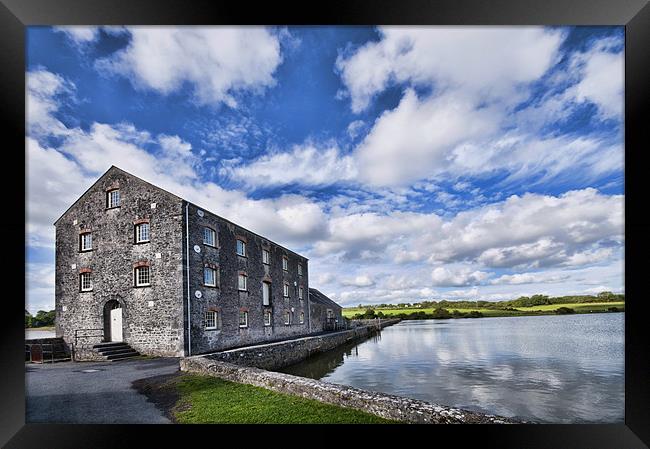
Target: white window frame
(138,233)
(214,276)
(300,293)
(299,269)
(285,263)
(136,272)
(245,315)
(215,314)
(285,291)
(266,257)
(82,241)
(212,233)
(287,318)
(239,283)
(266,293)
(243,246)
(267,318)
(113,201)
(81,281)
(302,317)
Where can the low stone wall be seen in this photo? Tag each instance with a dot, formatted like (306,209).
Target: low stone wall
(45,341)
(273,356)
(86,353)
(383,405)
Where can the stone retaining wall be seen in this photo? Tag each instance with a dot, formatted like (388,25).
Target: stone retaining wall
(380,404)
(86,353)
(273,356)
(45,341)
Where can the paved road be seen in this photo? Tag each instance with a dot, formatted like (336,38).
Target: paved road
(93,392)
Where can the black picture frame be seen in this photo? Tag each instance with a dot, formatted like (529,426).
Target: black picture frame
(16,15)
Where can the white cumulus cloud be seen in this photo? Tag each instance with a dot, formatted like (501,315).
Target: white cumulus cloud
(215,61)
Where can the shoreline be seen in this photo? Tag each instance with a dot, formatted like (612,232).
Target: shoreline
(412,314)
(507,316)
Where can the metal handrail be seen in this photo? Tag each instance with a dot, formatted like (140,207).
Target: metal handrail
(77,336)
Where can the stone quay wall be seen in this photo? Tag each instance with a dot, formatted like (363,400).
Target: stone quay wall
(380,404)
(273,356)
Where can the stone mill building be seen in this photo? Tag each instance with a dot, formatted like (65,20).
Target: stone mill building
(140,265)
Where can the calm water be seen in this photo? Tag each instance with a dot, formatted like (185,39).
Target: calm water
(561,369)
(31,333)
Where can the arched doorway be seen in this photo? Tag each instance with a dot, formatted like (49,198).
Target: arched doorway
(113,321)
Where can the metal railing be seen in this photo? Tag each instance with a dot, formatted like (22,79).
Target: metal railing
(87,333)
(45,352)
(80,334)
(37,352)
(334,324)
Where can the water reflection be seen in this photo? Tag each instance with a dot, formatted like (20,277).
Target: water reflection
(563,369)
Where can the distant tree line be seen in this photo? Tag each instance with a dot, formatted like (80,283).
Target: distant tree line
(522,301)
(41,319)
(438,313)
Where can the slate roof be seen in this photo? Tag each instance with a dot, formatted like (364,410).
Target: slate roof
(320,298)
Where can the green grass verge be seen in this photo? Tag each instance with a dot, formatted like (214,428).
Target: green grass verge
(522,311)
(205,399)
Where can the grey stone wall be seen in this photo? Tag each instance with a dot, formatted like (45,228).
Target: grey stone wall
(318,313)
(152,316)
(277,355)
(226,298)
(155,318)
(317,316)
(380,404)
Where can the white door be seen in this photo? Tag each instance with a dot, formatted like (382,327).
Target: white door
(116,324)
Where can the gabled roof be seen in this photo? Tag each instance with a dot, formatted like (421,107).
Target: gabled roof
(111,169)
(320,298)
(114,168)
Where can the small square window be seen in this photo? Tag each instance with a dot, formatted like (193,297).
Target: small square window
(86,241)
(266,257)
(209,277)
(302,317)
(209,236)
(241,248)
(243,319)
(286,290)
(242,282)
(285,263)
(113,198)
(142,277)
(210,320)
(142,233)
(267,318)
(85,282)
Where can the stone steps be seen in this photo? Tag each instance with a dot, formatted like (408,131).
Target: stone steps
(115,351)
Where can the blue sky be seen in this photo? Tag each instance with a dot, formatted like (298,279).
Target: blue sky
(407,163)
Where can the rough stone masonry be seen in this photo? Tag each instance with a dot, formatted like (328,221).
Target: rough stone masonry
(249,366)
(380,404)
(172,278)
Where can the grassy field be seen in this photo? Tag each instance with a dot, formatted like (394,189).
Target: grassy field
(522,311)
(204,399)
